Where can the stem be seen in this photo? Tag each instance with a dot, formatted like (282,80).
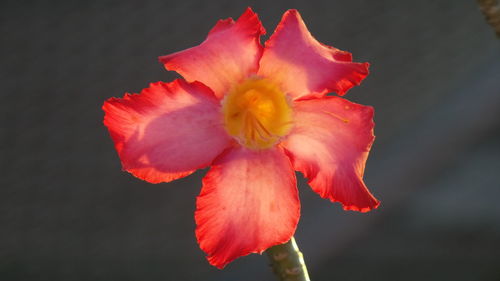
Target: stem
(288,262)
(491,11)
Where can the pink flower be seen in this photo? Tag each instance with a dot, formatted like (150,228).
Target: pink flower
(255,114)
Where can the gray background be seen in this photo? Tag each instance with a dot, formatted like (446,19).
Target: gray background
(67,211)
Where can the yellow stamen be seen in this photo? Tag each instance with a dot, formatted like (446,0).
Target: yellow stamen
(257,113)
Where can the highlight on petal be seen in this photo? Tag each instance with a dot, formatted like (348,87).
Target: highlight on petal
(248,203)
(329,145)
(303,66)
(230,53)
(167,131)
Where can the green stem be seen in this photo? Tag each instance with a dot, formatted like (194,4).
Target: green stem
(288,262)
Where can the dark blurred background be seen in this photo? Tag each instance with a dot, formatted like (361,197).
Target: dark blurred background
(67,211)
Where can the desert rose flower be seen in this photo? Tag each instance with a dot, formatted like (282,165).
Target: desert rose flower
(255,114)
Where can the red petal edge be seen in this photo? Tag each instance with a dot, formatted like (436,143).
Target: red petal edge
(230,53)
(329,144)
(249,202)
(304,67)
(167,131)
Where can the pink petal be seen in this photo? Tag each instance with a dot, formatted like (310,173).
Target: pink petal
(329,145)
(166,132)
(248,203)
(303,66)
(230,53)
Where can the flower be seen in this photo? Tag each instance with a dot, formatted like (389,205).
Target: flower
(255,114)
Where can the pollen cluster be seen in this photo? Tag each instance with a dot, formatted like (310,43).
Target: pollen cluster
(257,113)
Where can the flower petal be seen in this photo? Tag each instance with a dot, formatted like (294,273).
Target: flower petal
(303,66)
(248,203)
(168,131)
(329,145)
(230,53)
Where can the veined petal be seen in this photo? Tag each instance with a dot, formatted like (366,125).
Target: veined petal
(329,145)
(230,53)
(248,203)
(168,131)
(303,66)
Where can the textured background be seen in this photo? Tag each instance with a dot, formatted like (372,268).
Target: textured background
(67,212)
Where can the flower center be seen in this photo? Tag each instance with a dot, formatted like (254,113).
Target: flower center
(257,113)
